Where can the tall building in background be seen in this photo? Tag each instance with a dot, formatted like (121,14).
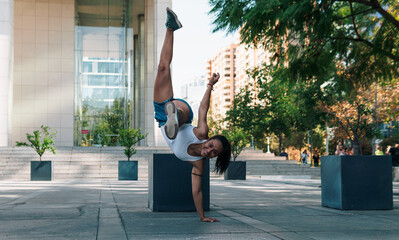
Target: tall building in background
(83,68)
(247,58)
(224,63)
(193,92)
(233,62)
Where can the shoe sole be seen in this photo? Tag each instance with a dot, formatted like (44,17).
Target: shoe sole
(174,14)
(171,125)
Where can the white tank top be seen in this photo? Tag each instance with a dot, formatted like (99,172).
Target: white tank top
(184,138)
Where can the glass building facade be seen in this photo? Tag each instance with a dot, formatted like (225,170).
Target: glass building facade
(103,71)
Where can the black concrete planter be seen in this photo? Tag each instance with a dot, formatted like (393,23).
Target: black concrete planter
(356,182)
(169,185)
(237,170)
(128,170)
(40,170)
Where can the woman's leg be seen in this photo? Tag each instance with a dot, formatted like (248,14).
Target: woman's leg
(163,89)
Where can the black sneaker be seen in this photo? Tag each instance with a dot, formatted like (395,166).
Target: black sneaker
(172,21)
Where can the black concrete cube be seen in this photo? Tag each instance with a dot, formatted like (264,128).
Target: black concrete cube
(127,170)
(237,170)
(40,171)
(169,184)
(356,182)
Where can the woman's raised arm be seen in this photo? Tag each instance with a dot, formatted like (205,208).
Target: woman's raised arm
(202,128)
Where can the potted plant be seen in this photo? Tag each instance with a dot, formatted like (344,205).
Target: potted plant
(40,141)
(128,170)
(238,140)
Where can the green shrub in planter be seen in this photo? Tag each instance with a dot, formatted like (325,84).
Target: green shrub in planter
(41,140)
(238,140)
(128,170)
(128,138)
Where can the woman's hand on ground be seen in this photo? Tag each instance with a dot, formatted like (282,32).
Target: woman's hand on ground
(206,219)
(214,78)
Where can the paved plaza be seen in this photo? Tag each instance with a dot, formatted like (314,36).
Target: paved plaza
(252,209)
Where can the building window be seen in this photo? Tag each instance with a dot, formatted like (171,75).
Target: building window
(103,71)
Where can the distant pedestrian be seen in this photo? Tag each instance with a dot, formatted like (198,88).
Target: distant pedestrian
(304,157)
(316,159)
(387,151)
(340,150)
(378,151)
(284,154)
(394,152)
(350,152)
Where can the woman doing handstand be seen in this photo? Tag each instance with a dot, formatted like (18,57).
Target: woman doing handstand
(174,116)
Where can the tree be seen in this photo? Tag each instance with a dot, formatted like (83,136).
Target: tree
(111,120)
(244,114)
(238,140)
(354,117)
(286,105)
(357,116)
(386,100)
(277,103)
(350,42)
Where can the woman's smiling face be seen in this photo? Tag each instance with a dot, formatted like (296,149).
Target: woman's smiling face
(212,148)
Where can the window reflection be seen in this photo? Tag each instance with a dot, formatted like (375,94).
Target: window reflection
(103,72)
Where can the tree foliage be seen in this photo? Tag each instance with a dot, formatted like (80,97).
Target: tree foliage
(351,42)
(238,140)
(275,107)
(357,117)
(347,44)
(41,140)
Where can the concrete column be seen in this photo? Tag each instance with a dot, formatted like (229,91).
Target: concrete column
(149,68)
(155,34)
(6,66)
(141,73)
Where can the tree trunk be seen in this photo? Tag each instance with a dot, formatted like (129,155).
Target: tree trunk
(280,140)
(311,147)
(357,150)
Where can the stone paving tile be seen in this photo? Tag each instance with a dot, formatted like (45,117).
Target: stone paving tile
(40,227)
(215,236)
(327,223)
(25,236)
(40,213)
(271,211)
(147,214)
(291,235)
(353,235)
(180,226)
(113,237)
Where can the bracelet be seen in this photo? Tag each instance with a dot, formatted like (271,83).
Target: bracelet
(210,86)
(196,174)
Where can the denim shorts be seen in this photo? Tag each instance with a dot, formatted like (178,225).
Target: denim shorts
(160,114)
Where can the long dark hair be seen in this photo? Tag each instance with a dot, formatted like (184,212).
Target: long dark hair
(223,160)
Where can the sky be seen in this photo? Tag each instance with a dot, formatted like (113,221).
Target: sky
(195,43)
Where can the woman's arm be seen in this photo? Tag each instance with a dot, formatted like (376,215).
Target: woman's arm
(196,176)
(202,128)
